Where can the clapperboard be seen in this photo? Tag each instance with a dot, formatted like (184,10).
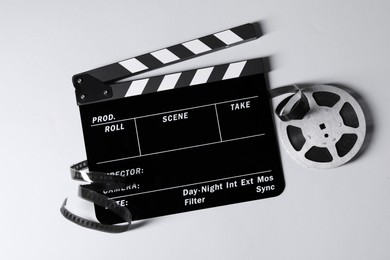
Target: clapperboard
(184,141)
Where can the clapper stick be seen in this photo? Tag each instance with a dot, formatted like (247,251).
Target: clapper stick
(98,84)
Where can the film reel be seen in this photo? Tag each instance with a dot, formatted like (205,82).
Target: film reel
(330,133)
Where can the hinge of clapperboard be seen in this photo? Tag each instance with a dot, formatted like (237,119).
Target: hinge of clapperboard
(101,84)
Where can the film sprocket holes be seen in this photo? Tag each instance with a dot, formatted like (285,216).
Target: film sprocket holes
(200,138)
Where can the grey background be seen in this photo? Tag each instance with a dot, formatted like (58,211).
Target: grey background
(341,213)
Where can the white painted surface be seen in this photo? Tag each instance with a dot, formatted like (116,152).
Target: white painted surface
(342,213)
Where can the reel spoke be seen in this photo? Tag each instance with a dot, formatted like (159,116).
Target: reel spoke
(337,107)
(306,147)
(333,151)
(350,130)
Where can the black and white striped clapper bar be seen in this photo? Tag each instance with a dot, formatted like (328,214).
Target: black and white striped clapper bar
(98,84)
(184,141)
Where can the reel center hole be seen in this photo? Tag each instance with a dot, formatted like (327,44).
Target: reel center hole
(322,127)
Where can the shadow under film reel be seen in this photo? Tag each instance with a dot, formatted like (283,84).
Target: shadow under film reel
(330,133)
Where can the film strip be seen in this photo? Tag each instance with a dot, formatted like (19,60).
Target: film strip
(90,192)
(217,109)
